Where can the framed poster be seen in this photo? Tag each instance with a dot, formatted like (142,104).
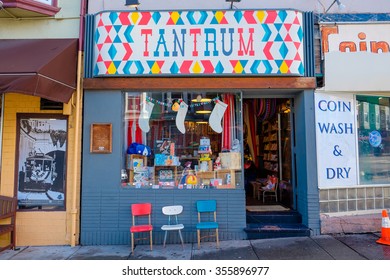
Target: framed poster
(41,161)
(101,138)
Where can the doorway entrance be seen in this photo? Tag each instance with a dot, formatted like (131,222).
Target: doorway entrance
(267,154)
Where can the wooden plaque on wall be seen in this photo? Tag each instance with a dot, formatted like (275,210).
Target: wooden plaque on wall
(101,138)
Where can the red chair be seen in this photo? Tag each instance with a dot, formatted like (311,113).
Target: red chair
(137,211)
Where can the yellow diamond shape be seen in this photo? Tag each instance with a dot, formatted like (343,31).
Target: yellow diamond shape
(238,68)
(197,69)
(155,68)
(111,69)
(175,16)
(261,16)
(134,17)
(219,16)
(284,67)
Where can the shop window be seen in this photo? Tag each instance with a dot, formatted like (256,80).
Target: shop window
(182,140)
(373,139)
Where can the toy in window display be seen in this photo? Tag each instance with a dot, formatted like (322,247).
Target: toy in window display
(188,176)
(205,151)
(217,164)
(139,149)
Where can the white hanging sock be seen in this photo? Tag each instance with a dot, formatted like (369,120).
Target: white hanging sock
(181,115)
(144,116)
(217,115)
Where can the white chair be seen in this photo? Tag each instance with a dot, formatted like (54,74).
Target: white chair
(173,222)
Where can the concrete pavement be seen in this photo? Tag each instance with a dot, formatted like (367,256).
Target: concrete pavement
(324,247)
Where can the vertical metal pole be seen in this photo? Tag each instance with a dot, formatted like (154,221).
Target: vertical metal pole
(280,149)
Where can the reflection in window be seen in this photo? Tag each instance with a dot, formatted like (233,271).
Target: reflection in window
(373,139)
(182,140)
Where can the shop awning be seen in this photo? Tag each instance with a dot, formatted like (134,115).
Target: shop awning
(40,67)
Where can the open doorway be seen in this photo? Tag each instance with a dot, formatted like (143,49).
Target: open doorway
(267,153)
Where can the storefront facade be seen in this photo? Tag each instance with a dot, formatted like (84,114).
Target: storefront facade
(40,76)
(164,114)
(352,123)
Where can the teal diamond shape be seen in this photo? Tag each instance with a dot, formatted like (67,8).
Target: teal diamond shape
(174,68)
(282,15)
(156,17)
(238,16)
(113,17)
(283,50)
(112,51)
(219,68)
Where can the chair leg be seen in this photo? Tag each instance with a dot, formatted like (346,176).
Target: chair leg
(132,242)
(151,240)
(181,238)
(216,232)
(165,237)
(198,238)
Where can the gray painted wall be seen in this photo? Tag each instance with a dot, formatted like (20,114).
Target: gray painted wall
(307,194)
(105,211)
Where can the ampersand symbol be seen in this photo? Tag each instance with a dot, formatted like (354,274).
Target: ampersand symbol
(337,151)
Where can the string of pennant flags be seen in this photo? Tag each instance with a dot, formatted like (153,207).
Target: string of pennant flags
(170,102)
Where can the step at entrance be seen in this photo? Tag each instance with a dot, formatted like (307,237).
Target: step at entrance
(262,225)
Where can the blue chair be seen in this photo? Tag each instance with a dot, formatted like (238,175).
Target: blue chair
(205,207)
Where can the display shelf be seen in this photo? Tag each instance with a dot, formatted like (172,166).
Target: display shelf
(158,178)
(134,165)
(271,147)
(225,176)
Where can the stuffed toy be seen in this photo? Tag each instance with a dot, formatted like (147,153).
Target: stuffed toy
(217,164)
(139,149)
(270,184)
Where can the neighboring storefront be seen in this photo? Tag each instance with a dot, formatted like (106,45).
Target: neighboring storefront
(40,74)
(352,126)
(165,94)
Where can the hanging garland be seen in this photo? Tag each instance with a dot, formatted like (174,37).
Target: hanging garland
(178,101)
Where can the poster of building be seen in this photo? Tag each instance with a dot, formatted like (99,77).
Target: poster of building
(42,162)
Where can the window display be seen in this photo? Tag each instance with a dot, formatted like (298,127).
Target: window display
(182,140)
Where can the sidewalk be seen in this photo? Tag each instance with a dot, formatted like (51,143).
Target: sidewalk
(324,247)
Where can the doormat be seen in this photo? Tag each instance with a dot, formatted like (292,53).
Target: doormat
(266,208)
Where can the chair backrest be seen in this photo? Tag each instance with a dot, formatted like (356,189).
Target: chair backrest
(172,210)
(206,205)
(141,209)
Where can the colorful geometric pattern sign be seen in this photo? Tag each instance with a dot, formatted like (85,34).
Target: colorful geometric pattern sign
(226,42)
